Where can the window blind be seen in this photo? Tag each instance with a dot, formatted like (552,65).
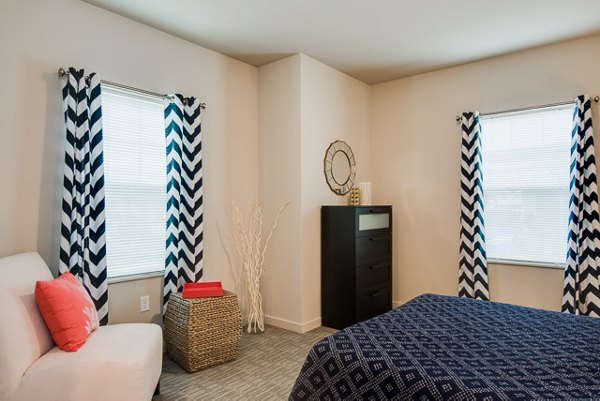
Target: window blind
(135,182)
(526,184)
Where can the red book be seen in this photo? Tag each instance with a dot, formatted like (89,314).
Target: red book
(202,290)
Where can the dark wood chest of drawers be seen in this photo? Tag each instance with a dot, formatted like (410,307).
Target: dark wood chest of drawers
(356,263)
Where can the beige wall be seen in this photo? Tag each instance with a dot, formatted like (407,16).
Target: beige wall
(415,145)
(334,107)
(304,105)
(280,175)
(124,301)
(40,36)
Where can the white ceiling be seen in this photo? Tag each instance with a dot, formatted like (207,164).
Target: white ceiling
(373,41)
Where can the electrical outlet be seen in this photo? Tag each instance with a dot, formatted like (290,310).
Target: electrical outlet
(144,303)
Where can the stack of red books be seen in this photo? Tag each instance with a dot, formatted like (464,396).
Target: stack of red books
(202,290)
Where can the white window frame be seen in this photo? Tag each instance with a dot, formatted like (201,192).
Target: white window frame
(110,177)
(567,133)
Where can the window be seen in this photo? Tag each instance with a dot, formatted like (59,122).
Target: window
(526,185)
(134,182)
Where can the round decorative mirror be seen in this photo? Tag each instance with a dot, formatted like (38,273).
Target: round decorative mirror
(339,167)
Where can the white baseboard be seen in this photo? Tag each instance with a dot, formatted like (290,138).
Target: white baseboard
(311,324)
(293,326)
(306,326)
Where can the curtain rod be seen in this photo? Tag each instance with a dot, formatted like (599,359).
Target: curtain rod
(62,72)
(595,99)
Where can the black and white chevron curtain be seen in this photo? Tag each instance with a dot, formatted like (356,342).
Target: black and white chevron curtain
(473,273)
(83,241)
(183,262)
(582,274)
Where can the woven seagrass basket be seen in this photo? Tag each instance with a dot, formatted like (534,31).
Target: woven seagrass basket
(202,332)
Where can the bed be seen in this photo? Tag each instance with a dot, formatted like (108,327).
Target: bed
(438,347)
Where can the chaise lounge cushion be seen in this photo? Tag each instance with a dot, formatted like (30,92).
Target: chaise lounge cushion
(118,362)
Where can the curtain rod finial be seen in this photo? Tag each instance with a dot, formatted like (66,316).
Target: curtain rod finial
(62,72)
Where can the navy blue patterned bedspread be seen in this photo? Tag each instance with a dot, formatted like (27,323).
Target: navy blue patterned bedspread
(447,348)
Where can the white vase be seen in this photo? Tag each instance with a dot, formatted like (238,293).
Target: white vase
(365,193)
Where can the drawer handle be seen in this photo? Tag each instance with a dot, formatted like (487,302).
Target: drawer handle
(377,294)
(378,238)
(375,267)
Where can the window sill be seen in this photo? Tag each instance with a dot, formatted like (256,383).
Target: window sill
(134,277)
(524,263)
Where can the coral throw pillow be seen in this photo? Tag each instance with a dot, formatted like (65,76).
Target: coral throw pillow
(68,311)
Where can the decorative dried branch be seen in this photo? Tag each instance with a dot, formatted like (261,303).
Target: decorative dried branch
(251,254)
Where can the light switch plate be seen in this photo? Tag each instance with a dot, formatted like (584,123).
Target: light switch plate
(144,303)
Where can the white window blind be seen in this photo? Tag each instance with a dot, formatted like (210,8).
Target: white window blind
(135,182)
(526,185)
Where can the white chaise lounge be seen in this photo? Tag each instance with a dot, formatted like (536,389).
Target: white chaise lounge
(118,362)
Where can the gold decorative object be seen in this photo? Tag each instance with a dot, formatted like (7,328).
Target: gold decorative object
(354,196)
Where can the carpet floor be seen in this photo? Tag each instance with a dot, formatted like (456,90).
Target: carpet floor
(265,369)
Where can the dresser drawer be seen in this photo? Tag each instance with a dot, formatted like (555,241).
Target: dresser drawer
(373,246)
(372,220)
(373,273)
(373,301)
